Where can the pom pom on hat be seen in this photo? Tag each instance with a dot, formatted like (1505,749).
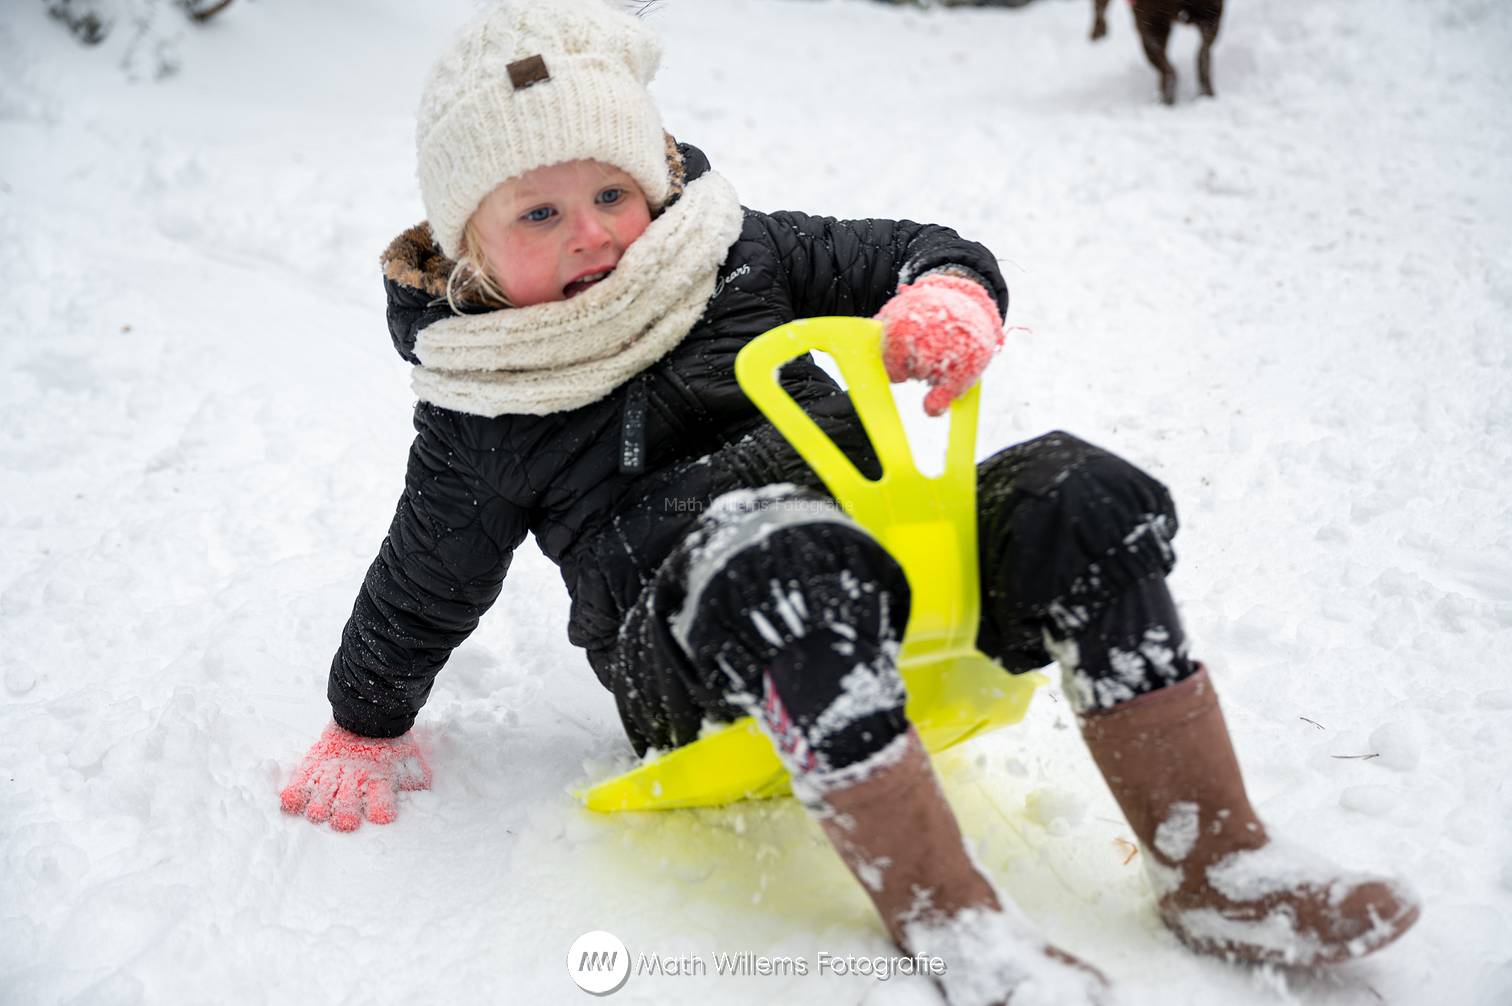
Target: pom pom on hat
(532,83)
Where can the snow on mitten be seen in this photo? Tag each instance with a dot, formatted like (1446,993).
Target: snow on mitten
(346,777)
(942,329)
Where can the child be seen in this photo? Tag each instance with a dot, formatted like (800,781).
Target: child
(573,307)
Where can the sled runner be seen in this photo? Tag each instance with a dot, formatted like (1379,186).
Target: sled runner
(927,523)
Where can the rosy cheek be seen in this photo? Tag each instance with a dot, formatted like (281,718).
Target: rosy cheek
(512,257)
(636,225)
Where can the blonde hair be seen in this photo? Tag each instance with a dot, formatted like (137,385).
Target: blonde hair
(469,286)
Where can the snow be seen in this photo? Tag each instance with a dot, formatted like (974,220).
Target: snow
(1053,808)
(1398,745)
(1275,932)
(1177,833)
(1291,304)
(1004,951)
(865,690)
(811,787)
(1251,874)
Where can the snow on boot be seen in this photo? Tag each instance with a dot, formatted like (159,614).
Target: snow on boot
(1225,887)
(995,957)
(890,822)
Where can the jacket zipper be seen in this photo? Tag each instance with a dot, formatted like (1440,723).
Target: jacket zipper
(632,458)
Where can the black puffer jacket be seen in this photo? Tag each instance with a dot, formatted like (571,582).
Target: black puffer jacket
(475,486)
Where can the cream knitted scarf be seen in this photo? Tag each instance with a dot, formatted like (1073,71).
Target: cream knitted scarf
(564,354)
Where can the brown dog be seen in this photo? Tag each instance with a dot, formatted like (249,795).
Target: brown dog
(1154,19)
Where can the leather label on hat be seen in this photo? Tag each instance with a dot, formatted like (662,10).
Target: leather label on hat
(527,71)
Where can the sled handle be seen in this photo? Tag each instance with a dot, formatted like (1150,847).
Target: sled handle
(927,523)
(929,526)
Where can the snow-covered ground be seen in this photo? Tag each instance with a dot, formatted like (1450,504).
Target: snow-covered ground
(1293,304)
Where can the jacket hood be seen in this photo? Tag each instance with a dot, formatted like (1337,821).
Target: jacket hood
(415,270)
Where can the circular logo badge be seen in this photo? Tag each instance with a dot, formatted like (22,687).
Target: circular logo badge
(598,962)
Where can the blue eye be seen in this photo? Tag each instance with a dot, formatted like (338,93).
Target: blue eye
(611,196)
(539,215)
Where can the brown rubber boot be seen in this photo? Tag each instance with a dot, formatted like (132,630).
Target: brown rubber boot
(1225,887)
(896,832)
(898,835)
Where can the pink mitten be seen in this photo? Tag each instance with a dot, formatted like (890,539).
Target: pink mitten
(346,776)
(943,329)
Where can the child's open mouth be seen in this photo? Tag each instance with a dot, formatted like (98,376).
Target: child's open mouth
(582,283)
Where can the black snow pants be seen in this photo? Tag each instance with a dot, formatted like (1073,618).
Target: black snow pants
(778,605)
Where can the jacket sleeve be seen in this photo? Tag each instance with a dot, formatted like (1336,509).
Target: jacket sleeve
(852,267)
(440,568)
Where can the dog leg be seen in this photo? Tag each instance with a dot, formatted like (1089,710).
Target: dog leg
(1154,32)
(1099,21)
(1209,31)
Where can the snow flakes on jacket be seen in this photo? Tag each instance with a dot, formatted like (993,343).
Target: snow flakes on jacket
(606,489)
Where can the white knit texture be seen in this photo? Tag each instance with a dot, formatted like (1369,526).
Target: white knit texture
(474,130)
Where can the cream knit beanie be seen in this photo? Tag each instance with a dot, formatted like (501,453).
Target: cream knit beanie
(533,83)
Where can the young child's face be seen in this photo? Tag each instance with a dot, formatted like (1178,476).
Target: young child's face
(553,232)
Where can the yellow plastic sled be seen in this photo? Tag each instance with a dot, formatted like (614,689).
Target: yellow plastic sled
(929,526)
